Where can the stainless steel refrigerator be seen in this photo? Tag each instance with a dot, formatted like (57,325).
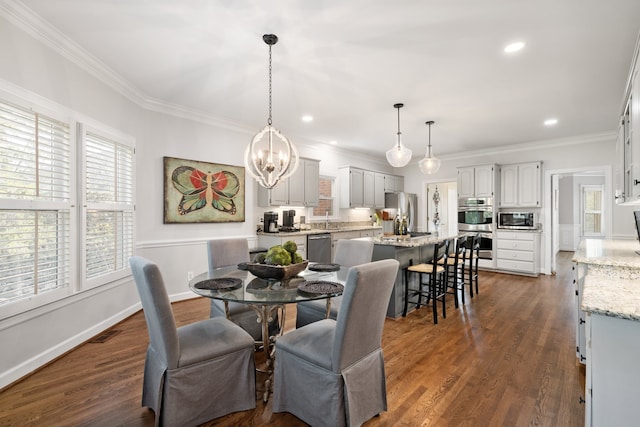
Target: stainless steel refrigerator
(403,204)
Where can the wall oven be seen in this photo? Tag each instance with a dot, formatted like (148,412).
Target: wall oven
(486,245)
(475,214)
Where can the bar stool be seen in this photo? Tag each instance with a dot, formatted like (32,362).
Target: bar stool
(454,264)
(470,273)
(436,285)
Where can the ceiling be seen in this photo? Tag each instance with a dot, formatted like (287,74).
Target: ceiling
(347,62)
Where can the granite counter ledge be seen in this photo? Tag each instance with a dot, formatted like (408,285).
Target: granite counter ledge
(613,297)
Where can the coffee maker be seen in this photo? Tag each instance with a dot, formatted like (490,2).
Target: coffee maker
(287,220)
(271,222)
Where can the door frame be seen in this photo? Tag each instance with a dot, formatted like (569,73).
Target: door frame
(547,257)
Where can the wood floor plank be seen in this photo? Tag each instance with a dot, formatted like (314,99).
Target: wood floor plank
(506,357)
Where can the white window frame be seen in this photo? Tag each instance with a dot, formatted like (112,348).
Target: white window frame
(583,211)
(123,207)
(75,204)
(333,198)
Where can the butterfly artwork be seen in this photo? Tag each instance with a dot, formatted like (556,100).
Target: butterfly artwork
(201,188)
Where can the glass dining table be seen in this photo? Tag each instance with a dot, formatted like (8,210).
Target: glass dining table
(268,297)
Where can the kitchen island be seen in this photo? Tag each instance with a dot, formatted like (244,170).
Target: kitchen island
(412,250)
(608,296)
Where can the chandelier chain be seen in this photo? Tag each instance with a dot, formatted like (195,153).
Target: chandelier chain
(270,68)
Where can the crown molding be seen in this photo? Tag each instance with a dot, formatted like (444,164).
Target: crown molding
(31,23)
(604,137)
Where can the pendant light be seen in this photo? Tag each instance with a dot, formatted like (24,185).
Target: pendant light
(430,164)
(270,157)
(399,155)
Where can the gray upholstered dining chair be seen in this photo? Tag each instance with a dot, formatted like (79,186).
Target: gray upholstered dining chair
(331,372)
(348,253)
(228,252)
(194,373)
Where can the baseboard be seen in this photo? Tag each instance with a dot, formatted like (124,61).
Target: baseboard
(31,365)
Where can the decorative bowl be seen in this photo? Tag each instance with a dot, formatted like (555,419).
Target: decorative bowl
(276,272)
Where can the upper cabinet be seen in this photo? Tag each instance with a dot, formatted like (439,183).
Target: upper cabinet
(378,189)
(393,183)
(627,169)
(360,188)
(520,185)
(300,189)
(476,181)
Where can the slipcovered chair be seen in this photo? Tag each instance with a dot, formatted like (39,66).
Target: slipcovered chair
(331,372)
(194,373)
(348,254)
(228,252)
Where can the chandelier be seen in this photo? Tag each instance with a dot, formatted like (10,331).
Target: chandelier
(430,164)
(399,155)
(270,157)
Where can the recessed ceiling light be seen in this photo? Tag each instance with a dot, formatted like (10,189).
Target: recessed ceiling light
(550,122)
(514,47)
(307,119)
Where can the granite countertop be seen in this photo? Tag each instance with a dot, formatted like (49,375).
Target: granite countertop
(611,296)
(612,283)
(411,242)
(319,231)
(620,253)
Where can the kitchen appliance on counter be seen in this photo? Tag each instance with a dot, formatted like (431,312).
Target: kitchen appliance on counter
(517,220)
(287,220)
(270,222)
(403,204)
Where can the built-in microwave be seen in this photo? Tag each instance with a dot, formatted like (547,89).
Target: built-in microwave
(517,220)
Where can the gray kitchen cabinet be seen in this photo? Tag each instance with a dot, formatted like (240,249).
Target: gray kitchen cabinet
(612,374)
(389,183)
(300,189)
(368,189)
(476,181)
(579,274)
(337,235)
(351,187)
(393,183)
(378,190)
(520,185)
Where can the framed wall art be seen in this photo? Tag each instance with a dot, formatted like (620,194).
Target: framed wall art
(201,192)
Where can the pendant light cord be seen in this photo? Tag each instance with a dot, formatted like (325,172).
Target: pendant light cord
(398,106)
(269,121)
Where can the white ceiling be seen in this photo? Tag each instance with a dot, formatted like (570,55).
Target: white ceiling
(346,62)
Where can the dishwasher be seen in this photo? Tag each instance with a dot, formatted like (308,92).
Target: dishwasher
(319,247)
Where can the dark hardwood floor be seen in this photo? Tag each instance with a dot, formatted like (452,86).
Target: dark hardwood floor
(506,358)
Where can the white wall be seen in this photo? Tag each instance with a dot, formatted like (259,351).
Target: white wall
(34,338)
(38,71)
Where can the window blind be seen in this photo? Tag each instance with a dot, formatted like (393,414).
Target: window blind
(109,200)
(35,191)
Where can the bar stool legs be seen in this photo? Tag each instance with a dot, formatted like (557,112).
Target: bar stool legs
(436,285)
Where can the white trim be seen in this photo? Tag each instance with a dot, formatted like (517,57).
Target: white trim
(26,367)
(170,243)
(607,207)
